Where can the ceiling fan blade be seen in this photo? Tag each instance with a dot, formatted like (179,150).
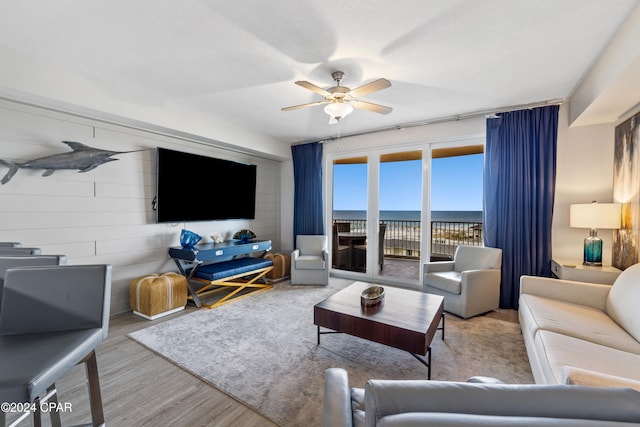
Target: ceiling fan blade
(296,107)
(313,87)
(370,106)
(368,88)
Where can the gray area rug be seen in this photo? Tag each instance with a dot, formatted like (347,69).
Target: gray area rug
(262,350)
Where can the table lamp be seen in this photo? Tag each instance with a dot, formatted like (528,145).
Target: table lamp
(594,215)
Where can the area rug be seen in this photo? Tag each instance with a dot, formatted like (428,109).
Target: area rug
(262,350)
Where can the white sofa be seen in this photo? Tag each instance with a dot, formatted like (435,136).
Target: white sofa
(582,333)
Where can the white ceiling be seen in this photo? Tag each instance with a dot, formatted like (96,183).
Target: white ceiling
(238,60)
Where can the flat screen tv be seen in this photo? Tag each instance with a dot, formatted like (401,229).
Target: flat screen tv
(191,187)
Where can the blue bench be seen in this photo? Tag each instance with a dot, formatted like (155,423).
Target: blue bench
(240,273)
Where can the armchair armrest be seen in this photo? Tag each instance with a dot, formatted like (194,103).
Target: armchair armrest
(431,267)
(295,254)
(582,293)
(336,410)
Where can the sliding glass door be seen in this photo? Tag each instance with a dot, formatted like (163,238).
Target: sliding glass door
(349,214)
(392,210)
(400,207)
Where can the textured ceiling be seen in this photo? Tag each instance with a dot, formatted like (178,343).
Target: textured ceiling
(237,61)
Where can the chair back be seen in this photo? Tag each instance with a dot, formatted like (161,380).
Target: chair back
(5,250)
(469,257)
(343,226)
(55,298)
(311,245)
(7,262)
(10,244)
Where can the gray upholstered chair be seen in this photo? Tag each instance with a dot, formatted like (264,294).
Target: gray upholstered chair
(10,244)
(52,318)
(7,250)
(310,262)
(7,262)
(479,402)
(470,284)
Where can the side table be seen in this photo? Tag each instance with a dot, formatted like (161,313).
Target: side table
(575,270)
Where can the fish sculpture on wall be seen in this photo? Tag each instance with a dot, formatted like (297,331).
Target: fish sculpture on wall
(83,159)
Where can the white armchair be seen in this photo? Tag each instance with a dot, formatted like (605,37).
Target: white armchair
(470,284)
(310,262)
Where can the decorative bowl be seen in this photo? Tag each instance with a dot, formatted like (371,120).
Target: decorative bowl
(372,296)
(188,239)
(244,235)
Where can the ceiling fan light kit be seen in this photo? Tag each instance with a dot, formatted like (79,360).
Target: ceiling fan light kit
(339,101)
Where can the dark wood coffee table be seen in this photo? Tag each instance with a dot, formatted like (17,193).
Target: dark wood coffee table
(406,319)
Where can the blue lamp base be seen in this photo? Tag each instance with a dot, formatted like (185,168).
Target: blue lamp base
(593,250)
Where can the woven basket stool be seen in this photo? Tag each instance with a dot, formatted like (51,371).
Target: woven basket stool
(281,267)
(157,295)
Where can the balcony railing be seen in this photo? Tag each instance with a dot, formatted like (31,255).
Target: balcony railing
(402,237)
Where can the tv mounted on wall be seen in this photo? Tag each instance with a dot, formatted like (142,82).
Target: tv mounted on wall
(191,187)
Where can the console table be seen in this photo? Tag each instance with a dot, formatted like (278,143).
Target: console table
(189,260)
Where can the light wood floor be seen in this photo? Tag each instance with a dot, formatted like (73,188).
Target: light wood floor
(140,388)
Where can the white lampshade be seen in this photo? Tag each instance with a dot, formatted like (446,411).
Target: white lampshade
(595,215)
(338,110)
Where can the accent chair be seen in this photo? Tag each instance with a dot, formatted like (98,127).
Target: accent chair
(470,284)
(310,261)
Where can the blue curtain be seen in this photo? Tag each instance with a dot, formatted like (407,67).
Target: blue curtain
(519,188)
(307,196)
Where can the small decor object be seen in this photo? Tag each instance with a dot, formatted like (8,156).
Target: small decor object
(244,235)
(83,159)
(372,296)
(188,239)
(217,238)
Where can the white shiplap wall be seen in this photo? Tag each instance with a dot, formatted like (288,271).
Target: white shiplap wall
(105,215)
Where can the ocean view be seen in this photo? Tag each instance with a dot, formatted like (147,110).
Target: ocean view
(443,216)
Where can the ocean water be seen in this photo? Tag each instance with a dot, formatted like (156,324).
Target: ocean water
(451,216)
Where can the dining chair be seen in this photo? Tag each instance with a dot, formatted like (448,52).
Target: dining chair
(10,244)
(6,250)
(7,262)
(51,319)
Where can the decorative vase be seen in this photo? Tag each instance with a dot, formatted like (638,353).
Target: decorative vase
(188,239)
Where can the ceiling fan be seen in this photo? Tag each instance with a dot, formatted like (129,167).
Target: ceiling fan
(339,101)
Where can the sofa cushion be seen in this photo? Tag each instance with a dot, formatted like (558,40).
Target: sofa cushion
(574,320)
(622,304)
(561,351)
(448,281)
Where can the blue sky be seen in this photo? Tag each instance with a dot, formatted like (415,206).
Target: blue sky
(456,185)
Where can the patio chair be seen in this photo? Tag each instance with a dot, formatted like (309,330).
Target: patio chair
(339,253)
(52,318)
(470,284)
(361,250)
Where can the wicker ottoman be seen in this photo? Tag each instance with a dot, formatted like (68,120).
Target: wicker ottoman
(281,267)
(158,295)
